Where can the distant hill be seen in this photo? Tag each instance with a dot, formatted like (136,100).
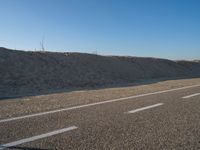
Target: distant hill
(24,73)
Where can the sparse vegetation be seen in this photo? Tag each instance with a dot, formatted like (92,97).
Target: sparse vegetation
(42,45)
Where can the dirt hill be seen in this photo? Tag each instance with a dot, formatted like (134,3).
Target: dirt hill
(24,73)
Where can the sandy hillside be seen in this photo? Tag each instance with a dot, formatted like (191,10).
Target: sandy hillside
(24,73)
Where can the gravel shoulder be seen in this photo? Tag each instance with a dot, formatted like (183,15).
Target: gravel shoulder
(41,103)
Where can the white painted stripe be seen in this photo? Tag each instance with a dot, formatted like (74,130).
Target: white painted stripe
(22,141)
(93,104)
(189,96)
(144,108)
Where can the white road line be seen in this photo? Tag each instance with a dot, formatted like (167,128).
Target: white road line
(189,96)
(22,141)
(93,104)
(144,108)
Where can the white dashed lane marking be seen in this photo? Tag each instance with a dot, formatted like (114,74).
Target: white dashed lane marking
(144,108)
(189,96)
(22,141)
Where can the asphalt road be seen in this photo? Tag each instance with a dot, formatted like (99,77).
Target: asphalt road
(160,120)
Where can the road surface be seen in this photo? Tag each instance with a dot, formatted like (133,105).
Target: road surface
(166,119)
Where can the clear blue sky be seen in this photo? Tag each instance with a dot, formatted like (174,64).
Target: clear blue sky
(154,28)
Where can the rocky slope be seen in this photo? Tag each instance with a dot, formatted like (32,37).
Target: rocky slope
(24,73)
